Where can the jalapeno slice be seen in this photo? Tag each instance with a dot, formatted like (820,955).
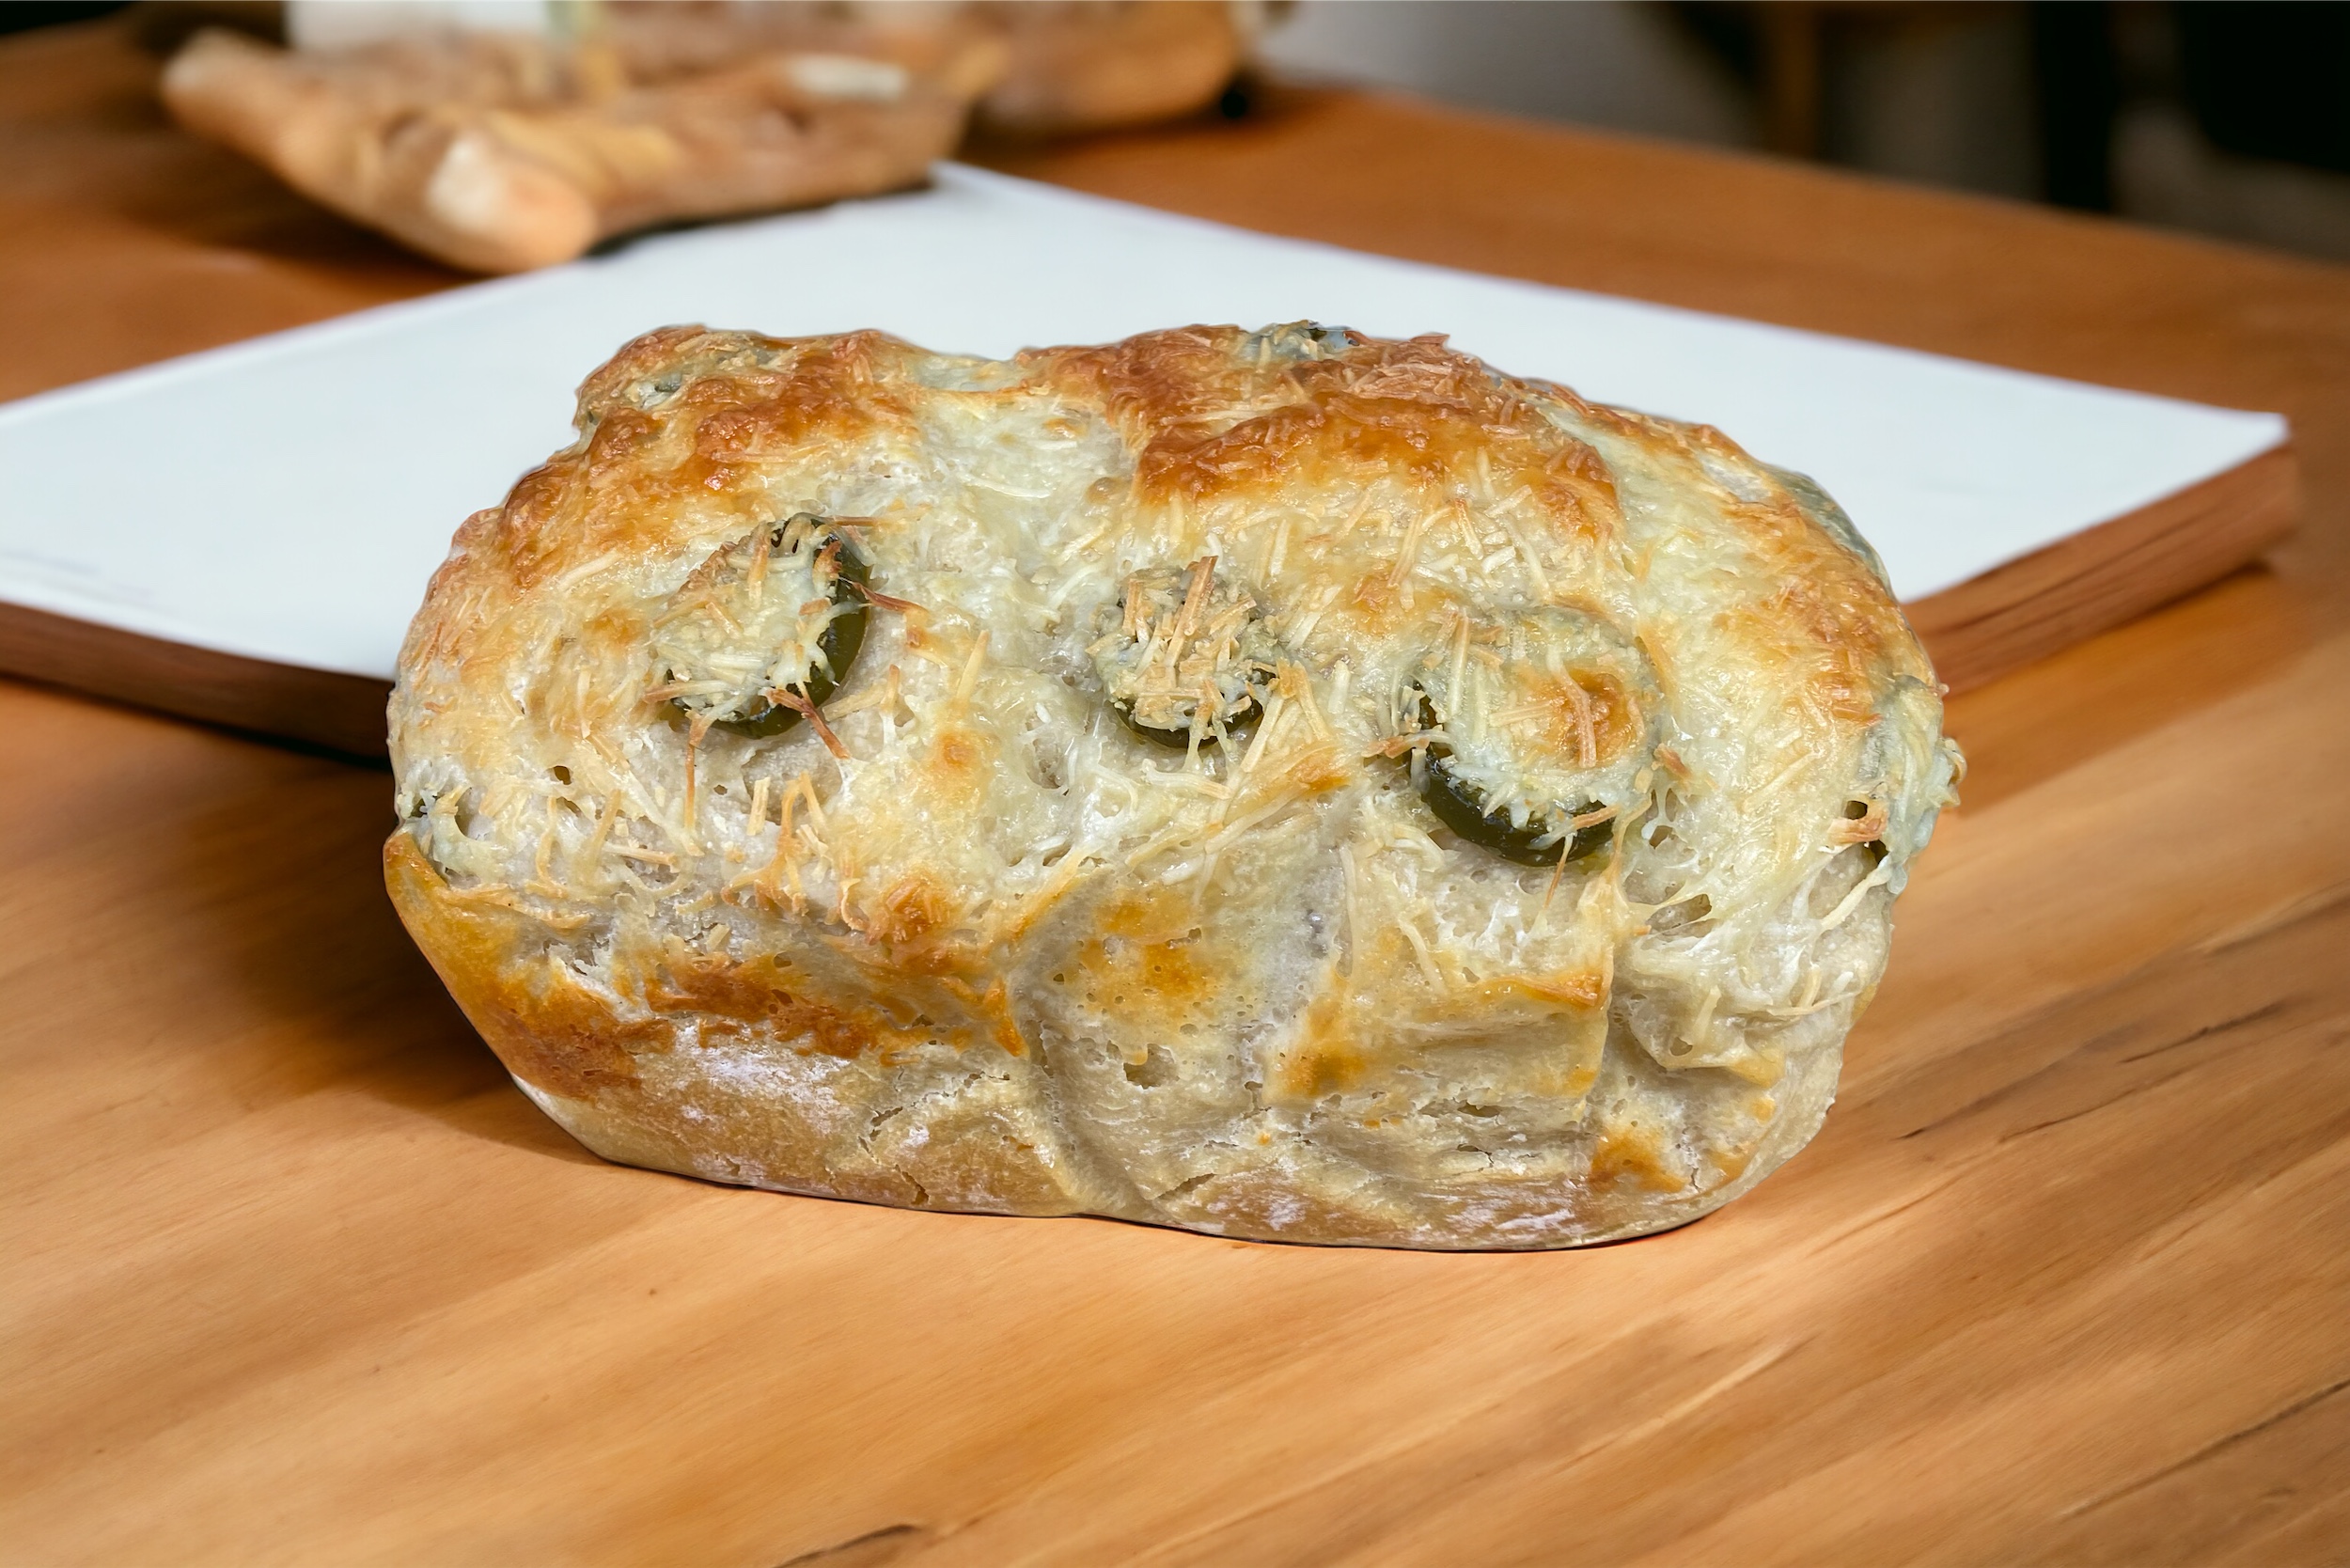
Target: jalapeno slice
(1456,804)
(779,612)
(1538,843)
(1297,341)
(1178,645)
(842,637)
(1530,732)
(1237,716)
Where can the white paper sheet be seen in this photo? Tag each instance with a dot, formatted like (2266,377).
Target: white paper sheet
(287,497)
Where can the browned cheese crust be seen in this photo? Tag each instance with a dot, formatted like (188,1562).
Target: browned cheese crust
(1289,786)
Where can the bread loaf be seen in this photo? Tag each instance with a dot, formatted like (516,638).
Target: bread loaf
(1279,783)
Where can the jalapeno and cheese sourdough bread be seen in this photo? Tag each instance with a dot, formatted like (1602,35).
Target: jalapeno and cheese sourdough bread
(1279,783)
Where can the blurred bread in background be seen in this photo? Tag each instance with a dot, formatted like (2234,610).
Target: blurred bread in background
(502,151)
(1085,65)
(499,135)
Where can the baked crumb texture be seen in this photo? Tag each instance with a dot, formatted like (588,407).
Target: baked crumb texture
(1105,879)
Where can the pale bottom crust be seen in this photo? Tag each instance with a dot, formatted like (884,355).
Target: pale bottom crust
(692,1125)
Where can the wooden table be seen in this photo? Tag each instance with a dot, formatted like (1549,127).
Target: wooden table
(294,1276)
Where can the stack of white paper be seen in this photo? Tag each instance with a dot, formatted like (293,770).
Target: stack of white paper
(287,498)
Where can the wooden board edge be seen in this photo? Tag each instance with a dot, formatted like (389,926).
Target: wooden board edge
(2069,592)
(343,713)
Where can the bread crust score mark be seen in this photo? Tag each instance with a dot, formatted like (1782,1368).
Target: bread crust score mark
(971,939)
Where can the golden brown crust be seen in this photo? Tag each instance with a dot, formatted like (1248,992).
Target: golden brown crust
(545,1027)
(966,938)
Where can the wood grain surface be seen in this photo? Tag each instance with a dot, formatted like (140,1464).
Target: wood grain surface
(294,1276)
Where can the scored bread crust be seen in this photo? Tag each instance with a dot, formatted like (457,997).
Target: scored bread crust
(974,942)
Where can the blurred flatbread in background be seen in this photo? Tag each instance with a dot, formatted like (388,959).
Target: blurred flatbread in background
(500,135)
(1068,65)
(502,151)
(1082,65)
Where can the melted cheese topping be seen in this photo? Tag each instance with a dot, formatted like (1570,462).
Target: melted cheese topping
(1179,653)
(974,942)
(747,626)
(1545,715)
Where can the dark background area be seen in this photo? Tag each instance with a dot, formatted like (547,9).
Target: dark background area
(2227,116)
(2230,116)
